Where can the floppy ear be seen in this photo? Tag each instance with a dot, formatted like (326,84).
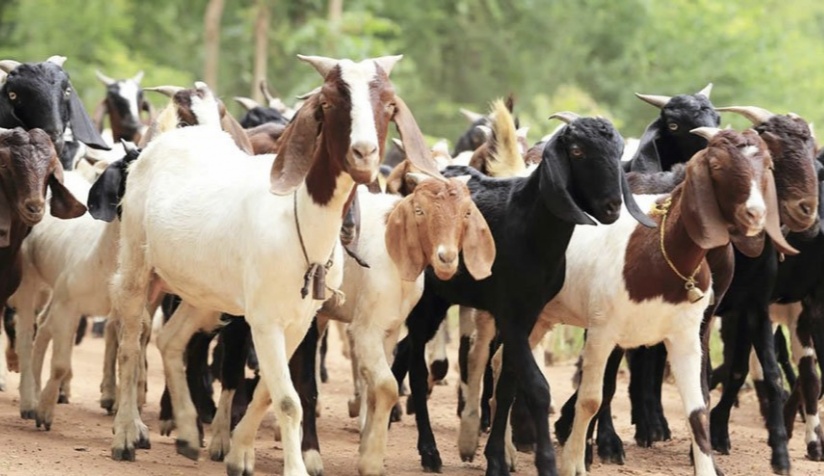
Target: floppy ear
(5,221)
(82,128)
(629,202)
(773,225)
(103,196)
(230,125)
(403,242)
(298,144)
(478,246)
(413,142)
(62,203)
(555,184)
(397,178)
(699,206)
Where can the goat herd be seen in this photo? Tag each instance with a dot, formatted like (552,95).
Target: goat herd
(258,231)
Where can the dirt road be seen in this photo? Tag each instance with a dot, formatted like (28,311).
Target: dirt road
(78,443)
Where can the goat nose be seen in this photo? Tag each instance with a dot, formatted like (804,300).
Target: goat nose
(363,150)
(806,207)
(613,207)
(34,207)
(446,257)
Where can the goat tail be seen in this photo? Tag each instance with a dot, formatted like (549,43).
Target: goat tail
(505,158)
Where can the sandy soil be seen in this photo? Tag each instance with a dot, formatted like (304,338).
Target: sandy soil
(78,443)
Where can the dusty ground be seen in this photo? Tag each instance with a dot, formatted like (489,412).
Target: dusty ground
(78,443)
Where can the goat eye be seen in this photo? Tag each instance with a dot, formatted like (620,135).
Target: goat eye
(418,211)
(468,214)
(12,95)
(576,151)
(672,126)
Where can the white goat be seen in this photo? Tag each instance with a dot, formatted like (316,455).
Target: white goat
(198,217)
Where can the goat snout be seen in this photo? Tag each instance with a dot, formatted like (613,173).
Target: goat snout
(32,211)
(363,161)
(611,211)
(363,150)
(447,256)
(447,262)
(802,214)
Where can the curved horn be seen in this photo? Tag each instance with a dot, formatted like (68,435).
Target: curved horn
(8,65)
(311,93)
(706,132)
(57,59)
(137,78)
(655,100)
(565,116)
(201,86)
(247,103)
(387,62)
(321,63)
(165,90)
(755,114)
(706,91)
(103,78)
(264,88)
(3,130)
(471,116)
(128,146)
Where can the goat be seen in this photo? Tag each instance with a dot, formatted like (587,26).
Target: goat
(332,143)
(123,104)
(28,164)
(667,140)
(74,259)
(40,95)
(532,219)
(257,115)
(646,265)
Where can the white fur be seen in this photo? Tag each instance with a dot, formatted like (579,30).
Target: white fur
(594,296)
(198,213)
(128,89)
(812,422)
(755,204)
(204,108)
(358,76)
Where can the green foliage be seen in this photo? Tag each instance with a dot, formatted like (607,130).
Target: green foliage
(588,56)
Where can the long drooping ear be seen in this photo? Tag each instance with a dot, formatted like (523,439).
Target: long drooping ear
(103,197)
(403,242)
(82,128)
(297,148)
(413,142)
(478,246)
(230,125)
(63,204)
(397,178)
(555,183)
(632,206)
(773,224)
(699,206)
(5,221)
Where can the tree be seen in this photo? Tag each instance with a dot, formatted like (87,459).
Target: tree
(211,28)
(261,48)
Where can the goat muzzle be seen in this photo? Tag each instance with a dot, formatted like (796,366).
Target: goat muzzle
(363,162)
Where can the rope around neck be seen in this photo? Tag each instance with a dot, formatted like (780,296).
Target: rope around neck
(689,281)
(315,273)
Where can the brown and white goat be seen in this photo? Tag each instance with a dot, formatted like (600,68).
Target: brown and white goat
(729,190)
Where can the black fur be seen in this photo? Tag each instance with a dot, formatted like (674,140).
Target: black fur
(261,115)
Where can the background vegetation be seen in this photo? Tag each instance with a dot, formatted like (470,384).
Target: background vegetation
(584,55)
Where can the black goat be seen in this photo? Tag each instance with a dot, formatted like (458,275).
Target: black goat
(123,104)
(257,114)
(531,220)
(41,95)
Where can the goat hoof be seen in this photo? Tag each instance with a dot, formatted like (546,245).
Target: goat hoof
(588,456)
(123,454)
(166,427)
(611,449)
(431,461)
(216,455)
(354,407)
(313,462)
(143,443)
(46,424)
(814,451)
(494,467)
(467,458)
(27,414)
(184,448)
(396,413)
(780,460)
(232,470)
(62,399)
(107,404)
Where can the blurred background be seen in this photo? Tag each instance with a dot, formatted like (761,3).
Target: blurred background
(587,56)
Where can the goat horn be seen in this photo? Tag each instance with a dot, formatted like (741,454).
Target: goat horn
(471,116)
(247,103)
(103,78)
(706,91)
(321,63)
(8,65)
(654,99)
(201,86)
(565,116)
(417,178)
(137,78)
(128,146)
(387,62)
(311,93)
(398,143)
(169,91)
(264,88)
(755,114)
(57,59)
(793,115)
(706,132)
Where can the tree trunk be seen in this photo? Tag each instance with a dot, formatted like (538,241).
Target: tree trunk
(335,13)
(211,29)
(261,48)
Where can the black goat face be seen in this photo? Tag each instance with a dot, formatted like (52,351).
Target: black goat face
(261,115)
(39,97)
(126,98)
(684,113)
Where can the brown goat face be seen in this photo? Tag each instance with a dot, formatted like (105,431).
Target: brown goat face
(361,96)
(434,225)
(793,150)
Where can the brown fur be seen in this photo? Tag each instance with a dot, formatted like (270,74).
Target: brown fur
(533,154)
(426,219)
(706,209)
(264,138)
